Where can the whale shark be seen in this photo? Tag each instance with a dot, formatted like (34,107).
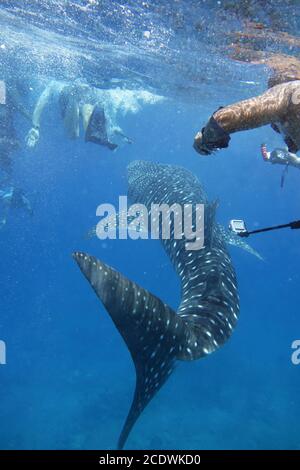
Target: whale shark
(156,335)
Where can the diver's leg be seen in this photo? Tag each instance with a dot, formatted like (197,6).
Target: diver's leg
(71,119)
(86,113)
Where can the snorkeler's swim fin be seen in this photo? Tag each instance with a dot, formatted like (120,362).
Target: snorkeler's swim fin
(151,330)
(96,131)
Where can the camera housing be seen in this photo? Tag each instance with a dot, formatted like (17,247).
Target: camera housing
(237,226)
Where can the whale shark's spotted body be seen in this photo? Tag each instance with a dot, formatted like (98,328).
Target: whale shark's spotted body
(156,335)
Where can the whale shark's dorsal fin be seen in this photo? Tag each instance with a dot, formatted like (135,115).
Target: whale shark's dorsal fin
(151,330)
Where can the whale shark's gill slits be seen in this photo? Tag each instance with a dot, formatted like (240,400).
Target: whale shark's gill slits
(152,331)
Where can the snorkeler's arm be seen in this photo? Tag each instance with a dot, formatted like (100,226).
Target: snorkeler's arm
(33,135)
(270,107)
(267,108)
(294,160)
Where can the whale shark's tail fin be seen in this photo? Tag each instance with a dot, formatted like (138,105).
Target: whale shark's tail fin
(152,331)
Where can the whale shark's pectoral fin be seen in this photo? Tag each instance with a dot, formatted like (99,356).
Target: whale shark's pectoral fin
(91,233)
(152,331)
(232,239)
(115,223)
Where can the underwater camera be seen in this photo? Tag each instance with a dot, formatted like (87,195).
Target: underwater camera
(238,226)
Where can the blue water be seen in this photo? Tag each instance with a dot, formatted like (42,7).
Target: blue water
(69,379)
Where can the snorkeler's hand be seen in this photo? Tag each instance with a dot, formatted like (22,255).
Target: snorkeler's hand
(211,138)
(128,140)
(32,137)
(199,145)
